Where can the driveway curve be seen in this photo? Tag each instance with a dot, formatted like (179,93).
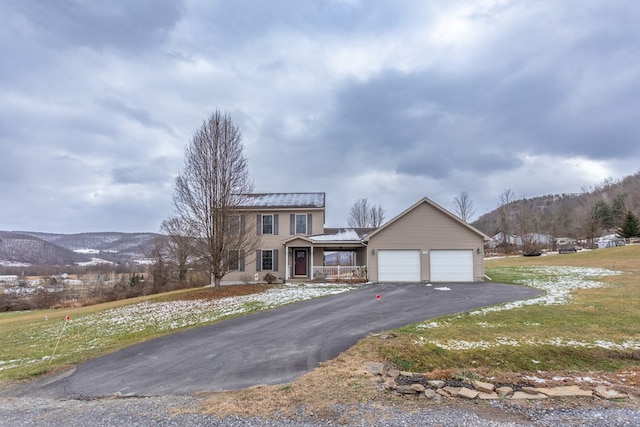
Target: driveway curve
(271,347)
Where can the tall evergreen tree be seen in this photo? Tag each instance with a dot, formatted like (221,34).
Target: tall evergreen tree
(630,226)
(603,215)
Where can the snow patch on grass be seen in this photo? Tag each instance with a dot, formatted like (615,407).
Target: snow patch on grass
(151,318)
(557,283)
(507,341)
(164,316)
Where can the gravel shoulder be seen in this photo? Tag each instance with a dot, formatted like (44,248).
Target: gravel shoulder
(187,411)
(336,393)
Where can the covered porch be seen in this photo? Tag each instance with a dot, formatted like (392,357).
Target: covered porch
(325,257)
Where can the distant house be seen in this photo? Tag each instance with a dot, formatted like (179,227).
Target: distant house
(423,243)
(610,241)
(500,238)
(528,240)
(8,278)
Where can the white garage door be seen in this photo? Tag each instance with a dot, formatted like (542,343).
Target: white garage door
(398,266)
(451,265)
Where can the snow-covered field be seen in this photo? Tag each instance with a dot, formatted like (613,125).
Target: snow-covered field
(558,283)
(97,329)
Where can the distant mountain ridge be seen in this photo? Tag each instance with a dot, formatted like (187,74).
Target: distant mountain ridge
(38,248)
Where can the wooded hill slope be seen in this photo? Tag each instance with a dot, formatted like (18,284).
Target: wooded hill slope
(596,211)
(35,248)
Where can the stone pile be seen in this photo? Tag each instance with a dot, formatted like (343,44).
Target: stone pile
(410,384)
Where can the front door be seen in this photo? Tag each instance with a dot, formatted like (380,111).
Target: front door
(300,262)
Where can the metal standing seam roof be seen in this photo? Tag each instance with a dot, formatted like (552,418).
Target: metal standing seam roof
(285,200)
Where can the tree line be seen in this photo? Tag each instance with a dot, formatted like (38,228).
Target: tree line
(610,208)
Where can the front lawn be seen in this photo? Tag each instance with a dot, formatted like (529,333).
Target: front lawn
(588,319)
(30,339)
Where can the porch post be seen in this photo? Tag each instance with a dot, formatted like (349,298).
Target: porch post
(311,263)
(286,262)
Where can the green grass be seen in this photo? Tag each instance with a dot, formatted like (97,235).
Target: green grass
(251,306)
(595,329)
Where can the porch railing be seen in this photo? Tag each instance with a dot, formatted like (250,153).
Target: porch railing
(340,272)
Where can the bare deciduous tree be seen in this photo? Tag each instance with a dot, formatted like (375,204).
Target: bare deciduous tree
(504,211)
(590,222)
(557,220)
(159,269)
(377,216)
(359,214)
(525,226)
(179,244)
(210,193)
(363,215)
(463,206)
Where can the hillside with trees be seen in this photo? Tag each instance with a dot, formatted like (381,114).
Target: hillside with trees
(23,248)
(36,248)
(596,211)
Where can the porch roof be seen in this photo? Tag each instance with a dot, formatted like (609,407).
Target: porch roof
(334,237)
(339,237)
(342,234)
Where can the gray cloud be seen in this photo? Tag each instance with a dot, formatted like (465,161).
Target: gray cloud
(123,25)
(153,172)
(386,100)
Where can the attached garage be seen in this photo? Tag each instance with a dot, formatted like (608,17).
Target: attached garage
(451,265)
(425,243)
(399,265)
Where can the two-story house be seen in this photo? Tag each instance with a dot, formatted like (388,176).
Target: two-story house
(423,243)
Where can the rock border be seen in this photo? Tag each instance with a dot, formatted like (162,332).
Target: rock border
(416,385)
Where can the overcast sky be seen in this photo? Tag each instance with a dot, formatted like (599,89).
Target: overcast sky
(389,100)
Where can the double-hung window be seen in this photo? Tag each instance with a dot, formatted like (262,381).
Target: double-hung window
(234,260)
(301,223)
(267,260)
(235,225)
(267,224)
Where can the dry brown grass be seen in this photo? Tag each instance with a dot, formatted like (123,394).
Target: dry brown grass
(332,391)
(340,381)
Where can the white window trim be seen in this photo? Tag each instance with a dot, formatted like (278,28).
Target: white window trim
(272,223)
(262,259)
(306,226)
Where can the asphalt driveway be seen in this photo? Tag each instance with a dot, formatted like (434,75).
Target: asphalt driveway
(270,347)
